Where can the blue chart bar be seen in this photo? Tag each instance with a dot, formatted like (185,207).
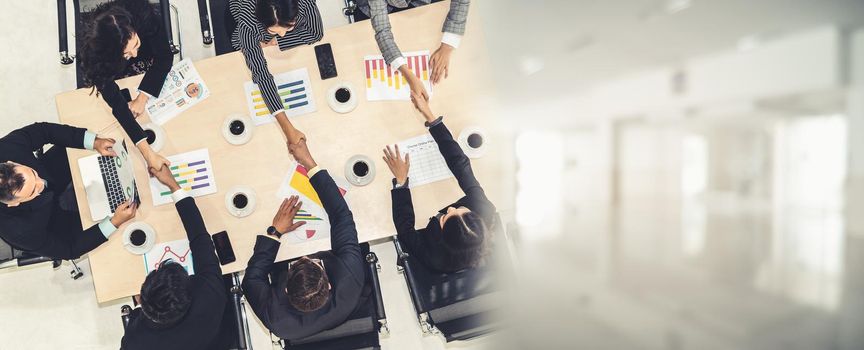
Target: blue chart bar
(295,98)
(300,104)
(290,84)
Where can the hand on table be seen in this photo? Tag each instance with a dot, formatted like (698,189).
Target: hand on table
(124,212)
(284,219)
(105,147)
(301,153)
(398,166)
(137,105)
(440,62)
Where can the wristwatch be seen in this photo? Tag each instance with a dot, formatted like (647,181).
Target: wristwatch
(272,231)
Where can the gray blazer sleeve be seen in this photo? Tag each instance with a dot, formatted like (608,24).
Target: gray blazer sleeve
(457,17)
(383,35)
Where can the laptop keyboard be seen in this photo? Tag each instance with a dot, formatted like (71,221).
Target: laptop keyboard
(112,182)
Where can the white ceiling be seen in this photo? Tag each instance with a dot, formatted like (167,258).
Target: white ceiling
(571,44)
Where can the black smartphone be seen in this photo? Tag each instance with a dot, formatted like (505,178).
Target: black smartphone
(223,248)
(126,94)
(326,64)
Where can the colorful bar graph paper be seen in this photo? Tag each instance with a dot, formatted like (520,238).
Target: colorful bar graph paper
(295,93)
(383,83)
(192,171)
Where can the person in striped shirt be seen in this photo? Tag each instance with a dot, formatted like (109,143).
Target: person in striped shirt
(282,23)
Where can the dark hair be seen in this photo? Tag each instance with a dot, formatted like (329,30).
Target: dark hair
(307,286)
(464,236)
(108,29)
(165,294)
(273,12)
(10,182)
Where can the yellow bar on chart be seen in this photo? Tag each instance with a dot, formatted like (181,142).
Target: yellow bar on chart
(257,99)
(256,93)
(264,112)
(369,83)
(382,75)
(397,83)
(260,106)
(186,173)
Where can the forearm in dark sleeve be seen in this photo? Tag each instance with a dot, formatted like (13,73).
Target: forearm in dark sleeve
(456,159)
(256,284)
(204,257)
(343,237)
(163,59)
(120,110)
(37,135)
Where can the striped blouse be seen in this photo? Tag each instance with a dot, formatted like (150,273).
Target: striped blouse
(250,34)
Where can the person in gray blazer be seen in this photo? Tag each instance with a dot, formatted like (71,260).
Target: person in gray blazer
(453,30)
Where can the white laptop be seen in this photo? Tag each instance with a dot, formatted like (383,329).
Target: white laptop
(108,181)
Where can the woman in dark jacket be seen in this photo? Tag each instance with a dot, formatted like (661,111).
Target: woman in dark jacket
(125,38)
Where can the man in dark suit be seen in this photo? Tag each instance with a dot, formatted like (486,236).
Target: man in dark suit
(179,311)
(38,210)
(457,237)
(318,291)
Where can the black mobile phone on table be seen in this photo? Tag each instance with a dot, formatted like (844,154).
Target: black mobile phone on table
(326,63)
(223,248)
(126,95)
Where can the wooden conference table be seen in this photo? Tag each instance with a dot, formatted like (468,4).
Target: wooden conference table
(464,98)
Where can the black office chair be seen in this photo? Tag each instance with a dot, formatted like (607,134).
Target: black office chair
(457,305)
(66,59)
(234,329)
(11,257)
(364,326)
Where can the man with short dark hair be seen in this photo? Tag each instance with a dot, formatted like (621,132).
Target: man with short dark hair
(179,311)
(458,236)
(318,291)
(38,210)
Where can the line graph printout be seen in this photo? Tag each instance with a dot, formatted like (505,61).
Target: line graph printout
(177,251)
(427,163)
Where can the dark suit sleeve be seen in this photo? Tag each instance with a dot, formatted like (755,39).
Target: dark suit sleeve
(120,110)
(34,136)
(403,219)
(343,232)
(256,283)
(31,234)
(460,166)
(203,252)
(163,59)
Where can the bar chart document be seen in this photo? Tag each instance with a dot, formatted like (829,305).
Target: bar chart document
(386,84)
(193,172)
(427,163)
(295,91)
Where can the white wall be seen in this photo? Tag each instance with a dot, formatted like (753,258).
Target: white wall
(855,114)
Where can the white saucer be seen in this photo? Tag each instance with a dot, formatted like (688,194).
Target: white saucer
(237,139)
(356,180)
(148,243)
(340,107)
(463,141)
(159,142)
(229,201)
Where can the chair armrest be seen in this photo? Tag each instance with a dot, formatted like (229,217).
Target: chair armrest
(31,260)
(125,311)
(404,261)
(165,9)
(372,270)
(236,293)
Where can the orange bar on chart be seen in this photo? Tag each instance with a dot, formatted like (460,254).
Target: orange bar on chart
(381,67)
(375,69)
(425,71)
(389,76)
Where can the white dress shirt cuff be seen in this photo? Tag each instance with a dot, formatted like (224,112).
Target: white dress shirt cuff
(314,171)
(451,39)
(107,227)
(89,140)
(398,62)
(277,112)
(179,195)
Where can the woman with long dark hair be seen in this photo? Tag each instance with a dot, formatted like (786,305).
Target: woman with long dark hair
(125,38)
(263,23)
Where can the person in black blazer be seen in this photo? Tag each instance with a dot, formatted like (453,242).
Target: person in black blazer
(38,210)
(123,38)
(457,237)
(318,291)
(179,311)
